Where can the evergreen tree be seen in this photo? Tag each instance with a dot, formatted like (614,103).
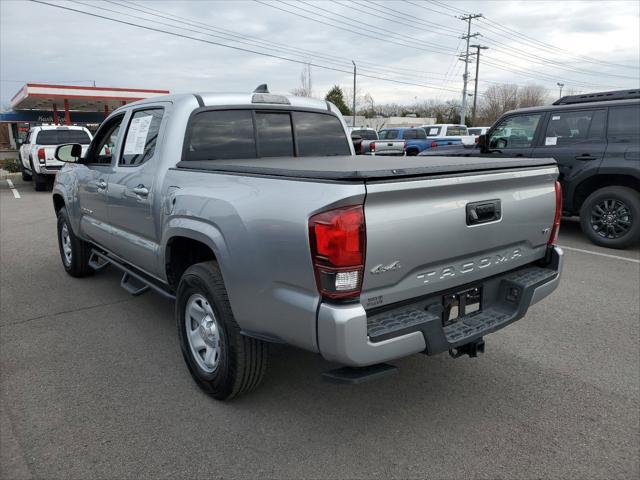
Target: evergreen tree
(336,97)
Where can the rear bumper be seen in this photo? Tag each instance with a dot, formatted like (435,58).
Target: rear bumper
(348,335)
(49,169)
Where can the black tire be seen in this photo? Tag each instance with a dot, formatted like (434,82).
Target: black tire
(242,360)
(412,152)
(78,264)
(25,176)
(624,205)
(39,181)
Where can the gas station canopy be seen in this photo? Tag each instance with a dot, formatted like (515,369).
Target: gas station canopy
(40,96)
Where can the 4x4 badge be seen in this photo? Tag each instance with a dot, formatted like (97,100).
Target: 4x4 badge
(386,268)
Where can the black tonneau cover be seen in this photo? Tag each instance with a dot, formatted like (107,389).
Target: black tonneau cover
(362,167)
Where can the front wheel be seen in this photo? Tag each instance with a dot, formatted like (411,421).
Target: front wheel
(222,361)
(610,217)
(74,252)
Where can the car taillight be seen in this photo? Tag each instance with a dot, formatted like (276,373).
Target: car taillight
(434,144)
(337,239)
(555,229)
(41,155)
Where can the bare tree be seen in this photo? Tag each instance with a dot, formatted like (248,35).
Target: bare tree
(305,88)
(532,96)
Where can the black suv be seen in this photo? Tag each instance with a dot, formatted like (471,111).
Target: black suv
(595,138)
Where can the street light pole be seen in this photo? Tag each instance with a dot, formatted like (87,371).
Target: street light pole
(560,85)
(475,88)
(353,122)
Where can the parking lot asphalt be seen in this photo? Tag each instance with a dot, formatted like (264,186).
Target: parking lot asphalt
(93,385)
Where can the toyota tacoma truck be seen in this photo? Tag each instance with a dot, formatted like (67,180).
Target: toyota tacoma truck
(37,153)
(254,214)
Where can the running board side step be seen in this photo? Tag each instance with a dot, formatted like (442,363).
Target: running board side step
(132,281)
(356,375)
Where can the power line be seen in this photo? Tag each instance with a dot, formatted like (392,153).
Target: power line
(250,41)
(411,42)
(314,64)
(510,31)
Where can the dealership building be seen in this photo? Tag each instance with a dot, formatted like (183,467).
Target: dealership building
(43,103)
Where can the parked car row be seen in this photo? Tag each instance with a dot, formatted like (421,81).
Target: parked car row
(409,140)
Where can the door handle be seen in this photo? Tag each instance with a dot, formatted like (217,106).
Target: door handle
(141,191)
(585,156)
(102,184)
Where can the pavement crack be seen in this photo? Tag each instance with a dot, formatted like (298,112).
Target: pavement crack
(79,309)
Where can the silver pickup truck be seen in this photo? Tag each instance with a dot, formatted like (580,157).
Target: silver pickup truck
(252,212)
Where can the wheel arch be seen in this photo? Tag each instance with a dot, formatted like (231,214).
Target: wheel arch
(596,182)
(190,243)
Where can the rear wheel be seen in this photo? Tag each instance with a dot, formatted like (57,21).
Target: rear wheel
(74,252)
(40,181)
(610,217)
(222,361)
(412,152)
(25,176)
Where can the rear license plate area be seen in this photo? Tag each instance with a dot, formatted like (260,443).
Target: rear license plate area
(459,304)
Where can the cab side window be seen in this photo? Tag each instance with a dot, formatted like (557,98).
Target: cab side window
(624,121)
(141,137)
(104,143)
(515,132)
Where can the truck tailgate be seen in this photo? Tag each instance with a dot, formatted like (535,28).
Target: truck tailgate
(388,147)
(422,238)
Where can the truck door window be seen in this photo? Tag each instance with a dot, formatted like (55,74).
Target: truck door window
(221,134)
(456,130)
(409,134)
(515,132)
(275,137)
(104,143)
(319,134)
(141,136)
(568,128)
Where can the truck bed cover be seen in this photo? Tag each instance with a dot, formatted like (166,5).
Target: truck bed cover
(362,168)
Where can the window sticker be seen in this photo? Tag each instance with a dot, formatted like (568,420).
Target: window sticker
(137,135)
(555,117)
(551,141)
(433,131)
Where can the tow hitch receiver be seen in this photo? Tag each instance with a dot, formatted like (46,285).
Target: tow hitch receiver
(472,349)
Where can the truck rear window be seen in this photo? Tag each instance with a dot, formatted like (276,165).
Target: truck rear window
(365,134)
(229,134)
(388,134)
(58,137)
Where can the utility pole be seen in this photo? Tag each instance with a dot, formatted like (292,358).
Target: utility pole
(353,124)
(465,77)
(475,88)
(560,85)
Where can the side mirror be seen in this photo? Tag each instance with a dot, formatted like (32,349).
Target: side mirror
(482,143)
(69,152)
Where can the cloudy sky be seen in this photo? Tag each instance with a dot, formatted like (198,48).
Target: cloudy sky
(587,45)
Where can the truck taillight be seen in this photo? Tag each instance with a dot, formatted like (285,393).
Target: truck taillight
(372,146)
(337,239)
(434,144)
(555,229)
(404,146)
(41,155)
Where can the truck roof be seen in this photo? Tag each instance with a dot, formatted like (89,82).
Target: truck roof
(59,127)
(212,99)
(574,106)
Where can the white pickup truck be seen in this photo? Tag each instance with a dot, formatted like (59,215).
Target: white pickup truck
(37,153)
(442,134)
